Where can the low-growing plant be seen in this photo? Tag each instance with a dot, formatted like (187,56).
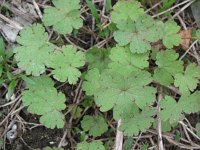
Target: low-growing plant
(123,79)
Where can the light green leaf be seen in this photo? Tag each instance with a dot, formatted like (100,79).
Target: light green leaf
(1,70)
(91,83)
(125,10)
(117,89)
(189,80)
(168,66)
(174,111)
(43,99)
(11,88)
(98,58)
(96,125)
(125,110)
(198,129)
(198,33)
(2,48)
(140,121)
(138,35)
(190,103)
(94,145)
(65,63)
(54,148)
(122,58)
(93,10)
(34,50)
(64,17)
(170,34)
(171,110)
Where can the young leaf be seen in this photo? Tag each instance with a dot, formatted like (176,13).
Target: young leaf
(168,66)
(94,145)
(125,10)
(64,16)
(34,50)
(92,82)
(189,80)
(140,121)
(138,34)
(96,125)
(115,89)
(66,63)
(43,99)
(122,58)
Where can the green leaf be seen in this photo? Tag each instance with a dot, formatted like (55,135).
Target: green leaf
(11,88)
(138,35)
(190,103)
(54,148)
(94,145)
(122,58)
(1,142)
(189,80)
(108,6)
(168,66)
(1,70)
(125,10)
(126,110)
(170,34)
(64,17)
(34,50)
(26,79)
(2,48)
(140,121)
(116,89)
(198,33)
(166,125)
(65,63)
(128,144)
(96,125)
(91,83)
(93,10)
(43,99)
(98,58)
(198,129)
(171,110)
